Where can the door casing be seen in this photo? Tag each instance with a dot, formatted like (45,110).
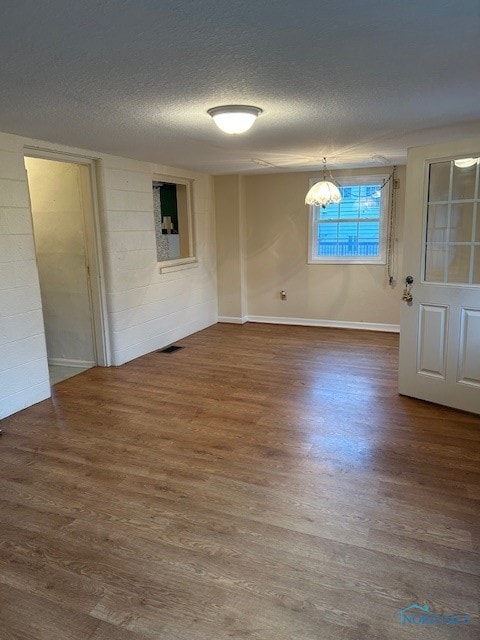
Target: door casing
(94,250)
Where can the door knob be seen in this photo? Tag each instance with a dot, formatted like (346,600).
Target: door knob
(407,291)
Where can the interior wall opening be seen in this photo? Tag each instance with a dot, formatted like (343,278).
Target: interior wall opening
(62,208)
(172,220)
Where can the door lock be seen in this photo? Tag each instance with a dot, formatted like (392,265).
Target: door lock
(407,291)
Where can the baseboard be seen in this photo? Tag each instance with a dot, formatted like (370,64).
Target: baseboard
(333,324)
(68,362)
(233,319)
(24,398)
(159,341)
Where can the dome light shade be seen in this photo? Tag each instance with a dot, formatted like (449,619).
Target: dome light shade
(234,118)
(323,193)
(464,163)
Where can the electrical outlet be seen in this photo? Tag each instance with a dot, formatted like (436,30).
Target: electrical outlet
(283,294)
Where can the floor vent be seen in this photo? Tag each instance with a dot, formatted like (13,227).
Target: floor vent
(170,349)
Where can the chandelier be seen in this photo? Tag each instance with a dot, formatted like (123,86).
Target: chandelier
(324,192)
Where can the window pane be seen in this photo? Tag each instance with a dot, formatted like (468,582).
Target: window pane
(476,266)
(463,182)
(371,204)
(439,182)
(328,232)
(347,233)
(331,211)
(435,263)
(461,223)
(349,209)
(369,238)
(327,239)
(437,223)
(356,191)
(459,263)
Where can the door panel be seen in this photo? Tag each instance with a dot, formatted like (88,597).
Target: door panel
(432,340)
(469,361)
(440,327)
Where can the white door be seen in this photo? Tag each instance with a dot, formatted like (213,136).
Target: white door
(440,327)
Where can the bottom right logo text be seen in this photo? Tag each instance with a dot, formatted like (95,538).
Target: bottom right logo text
(418,614)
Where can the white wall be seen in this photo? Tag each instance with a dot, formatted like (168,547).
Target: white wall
(231,256)
(58,213)
(23,357)
(149,309)
(275,253)
(146,309)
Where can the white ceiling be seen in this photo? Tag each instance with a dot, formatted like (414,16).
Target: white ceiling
(348,79)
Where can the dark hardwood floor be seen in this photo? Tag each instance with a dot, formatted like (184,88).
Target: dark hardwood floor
(263,482)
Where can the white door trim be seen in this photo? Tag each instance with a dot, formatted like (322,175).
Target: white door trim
(101,332)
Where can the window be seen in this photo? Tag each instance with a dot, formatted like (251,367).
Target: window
(352,231)
(173,221)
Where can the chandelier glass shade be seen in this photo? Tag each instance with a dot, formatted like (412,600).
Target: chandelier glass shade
(324,192)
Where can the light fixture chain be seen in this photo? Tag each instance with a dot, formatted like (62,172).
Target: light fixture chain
(392,229)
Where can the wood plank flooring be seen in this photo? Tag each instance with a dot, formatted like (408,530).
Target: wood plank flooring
(263,482)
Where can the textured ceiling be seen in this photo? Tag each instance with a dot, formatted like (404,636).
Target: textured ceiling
(349,79)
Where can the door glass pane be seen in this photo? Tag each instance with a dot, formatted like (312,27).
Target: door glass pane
(439,181)
(461,223)
(437,222)
(459,264)
(476,266)
(463,182)
(435,263)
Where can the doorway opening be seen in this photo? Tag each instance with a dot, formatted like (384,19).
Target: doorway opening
(63,212)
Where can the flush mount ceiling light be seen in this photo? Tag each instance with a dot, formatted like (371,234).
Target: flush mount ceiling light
(324,192)
(234,118)
(464,163)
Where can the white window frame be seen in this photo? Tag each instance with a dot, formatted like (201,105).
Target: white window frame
(347,181)
(178,264)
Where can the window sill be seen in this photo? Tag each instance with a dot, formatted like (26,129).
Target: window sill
(177,265)
(378,263)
